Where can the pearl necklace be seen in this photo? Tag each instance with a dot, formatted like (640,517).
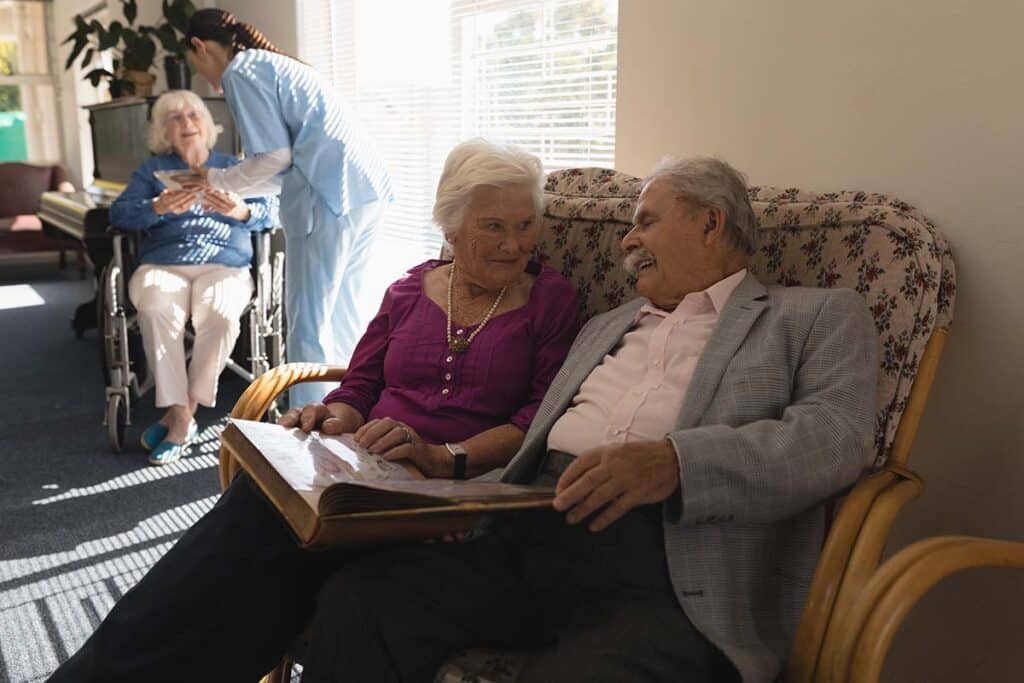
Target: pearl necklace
(458,344)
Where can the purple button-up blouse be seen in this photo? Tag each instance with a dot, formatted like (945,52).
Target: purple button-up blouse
(402,367)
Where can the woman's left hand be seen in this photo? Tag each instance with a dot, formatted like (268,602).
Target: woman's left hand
(393,440)
(227,203)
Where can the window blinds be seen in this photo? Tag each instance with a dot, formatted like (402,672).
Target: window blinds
(422,75)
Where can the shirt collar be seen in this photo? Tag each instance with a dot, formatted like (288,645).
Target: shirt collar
(723,289)
(718,294)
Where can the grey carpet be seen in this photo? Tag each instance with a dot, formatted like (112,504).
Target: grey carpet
(78,524)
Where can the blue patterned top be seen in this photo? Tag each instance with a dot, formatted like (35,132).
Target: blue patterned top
(194,237)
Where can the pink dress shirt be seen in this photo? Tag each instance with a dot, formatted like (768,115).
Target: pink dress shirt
(637,392)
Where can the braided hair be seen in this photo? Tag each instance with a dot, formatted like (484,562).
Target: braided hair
(224,28)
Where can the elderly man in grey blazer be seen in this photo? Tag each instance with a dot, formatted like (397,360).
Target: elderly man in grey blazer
(693,436)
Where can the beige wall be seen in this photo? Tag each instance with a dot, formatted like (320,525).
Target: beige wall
(277,20)
(71,115)
(918,98)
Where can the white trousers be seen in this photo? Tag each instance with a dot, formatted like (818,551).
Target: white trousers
(213,296)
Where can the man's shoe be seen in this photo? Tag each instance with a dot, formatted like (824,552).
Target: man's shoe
(168,451)
(153,435)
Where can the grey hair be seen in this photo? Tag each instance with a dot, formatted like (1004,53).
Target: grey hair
(708,182)
(477,163)
(172,101)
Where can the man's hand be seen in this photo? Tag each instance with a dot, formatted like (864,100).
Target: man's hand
(227,203)
(173,201)
(334,418)
(618,478)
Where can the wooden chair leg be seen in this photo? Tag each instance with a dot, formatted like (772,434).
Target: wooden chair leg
(865,558)
(282,673)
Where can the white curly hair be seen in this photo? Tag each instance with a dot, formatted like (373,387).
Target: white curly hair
(475,163)
(172,101)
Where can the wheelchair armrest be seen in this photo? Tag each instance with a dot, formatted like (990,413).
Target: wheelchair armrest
(255,400)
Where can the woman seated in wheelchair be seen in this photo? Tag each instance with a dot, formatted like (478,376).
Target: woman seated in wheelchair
(193,264)
(455,363)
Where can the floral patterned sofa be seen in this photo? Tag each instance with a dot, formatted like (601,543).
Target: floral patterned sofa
(878,245)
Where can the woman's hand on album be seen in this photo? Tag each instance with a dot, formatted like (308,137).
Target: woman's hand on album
(227,203)
(393,440)
(173,201)
(331,418)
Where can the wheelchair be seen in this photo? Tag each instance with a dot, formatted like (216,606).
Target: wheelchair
(123,360)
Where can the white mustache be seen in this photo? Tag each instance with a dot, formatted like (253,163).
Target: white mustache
(635,258)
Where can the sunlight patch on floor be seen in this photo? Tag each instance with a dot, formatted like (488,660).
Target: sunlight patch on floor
(168,523)
(202,456)
(54,601)
(19,296)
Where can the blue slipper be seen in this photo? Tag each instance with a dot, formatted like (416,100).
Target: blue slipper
(168,451)
(153,435)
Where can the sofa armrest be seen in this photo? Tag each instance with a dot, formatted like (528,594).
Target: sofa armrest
(59,181)
(899,585)
(851,553)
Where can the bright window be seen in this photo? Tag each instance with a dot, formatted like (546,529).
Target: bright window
(422,75)
(28,111)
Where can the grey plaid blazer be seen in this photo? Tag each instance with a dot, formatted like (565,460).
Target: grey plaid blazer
(778,418)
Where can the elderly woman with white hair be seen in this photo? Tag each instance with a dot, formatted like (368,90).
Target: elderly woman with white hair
(452,368)
(448,377)
(193,263)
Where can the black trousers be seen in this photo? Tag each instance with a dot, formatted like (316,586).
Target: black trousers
(224,604)
(228,600)
(600,607)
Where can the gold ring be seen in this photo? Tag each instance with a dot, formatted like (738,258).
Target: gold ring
(408,434)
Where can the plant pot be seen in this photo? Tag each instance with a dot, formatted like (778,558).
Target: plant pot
(178,75)
(142,80)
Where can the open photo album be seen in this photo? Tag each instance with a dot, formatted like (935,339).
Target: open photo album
(333,492)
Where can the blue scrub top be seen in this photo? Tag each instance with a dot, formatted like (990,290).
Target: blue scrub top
(280,102)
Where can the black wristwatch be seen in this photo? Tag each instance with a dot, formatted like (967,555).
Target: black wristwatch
(458,460)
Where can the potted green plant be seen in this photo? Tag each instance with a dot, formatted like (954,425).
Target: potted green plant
(132,48)
(171,34)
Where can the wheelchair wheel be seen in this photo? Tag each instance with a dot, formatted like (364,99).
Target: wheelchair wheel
(119,349)
(137,356)
(108,302)
(275,357)
(275,341)
(117,418)
(277,312)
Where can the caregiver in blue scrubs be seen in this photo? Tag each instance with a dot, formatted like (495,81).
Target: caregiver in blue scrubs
(300,143)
